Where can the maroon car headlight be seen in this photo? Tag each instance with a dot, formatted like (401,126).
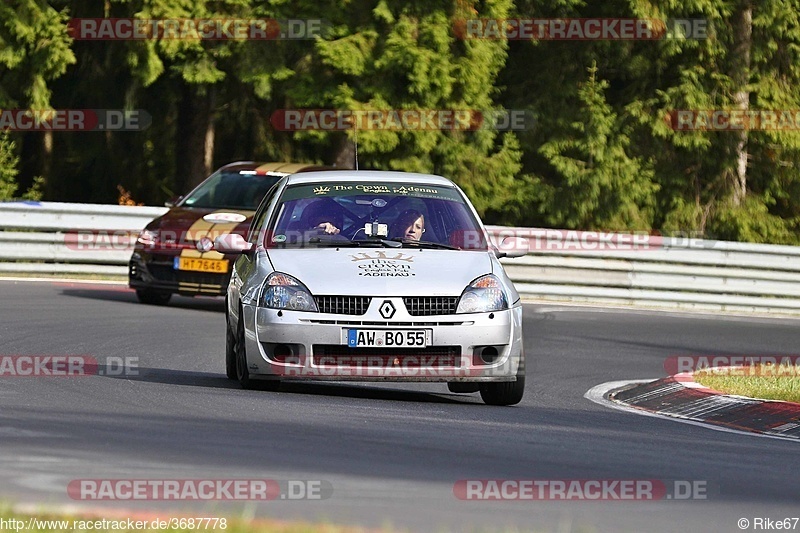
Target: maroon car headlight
(282,291)
(147,237)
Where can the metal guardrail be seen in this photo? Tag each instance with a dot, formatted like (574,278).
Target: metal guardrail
(654,271)
(46,237)
(56,216)
(560,265)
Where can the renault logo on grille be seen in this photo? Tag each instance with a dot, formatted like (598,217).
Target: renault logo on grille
(387,309)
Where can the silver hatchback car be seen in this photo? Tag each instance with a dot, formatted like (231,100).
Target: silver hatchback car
(373,276)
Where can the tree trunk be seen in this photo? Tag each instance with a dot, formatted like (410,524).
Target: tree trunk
(195,142)
(742,21)
(36,159)
(47,154)
(345,157)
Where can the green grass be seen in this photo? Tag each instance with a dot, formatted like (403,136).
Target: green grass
(768,382)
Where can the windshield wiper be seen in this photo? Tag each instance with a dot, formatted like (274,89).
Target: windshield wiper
(347,243)
(425,244)
(384,242)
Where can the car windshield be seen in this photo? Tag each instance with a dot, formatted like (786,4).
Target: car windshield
(383,214)
(230,190)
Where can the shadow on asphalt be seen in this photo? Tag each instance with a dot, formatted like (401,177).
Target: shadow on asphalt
(169,377)
(219,381)
(125,295)
(373,393)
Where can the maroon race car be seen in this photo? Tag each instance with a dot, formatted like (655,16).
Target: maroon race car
(174,254)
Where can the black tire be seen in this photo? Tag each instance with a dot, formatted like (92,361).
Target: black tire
(152,297)
(230,350)
(462,387)
(504,392)
(242,372)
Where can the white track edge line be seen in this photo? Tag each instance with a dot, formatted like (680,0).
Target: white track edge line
(597,394)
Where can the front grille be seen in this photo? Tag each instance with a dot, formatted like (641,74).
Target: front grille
(341,355)
(167,273)
(431,305)
(343,305)
(426,324)
(189,281)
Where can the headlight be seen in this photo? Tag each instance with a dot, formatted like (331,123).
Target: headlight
(483,295)
(147,237)
(282,291)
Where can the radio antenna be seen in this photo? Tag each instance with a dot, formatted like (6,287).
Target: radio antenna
(355,143)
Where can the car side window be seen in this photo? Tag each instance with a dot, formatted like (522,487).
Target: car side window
(258,218)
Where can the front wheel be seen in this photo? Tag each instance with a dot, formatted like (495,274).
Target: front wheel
(230,351)
(503,393)
(242,372)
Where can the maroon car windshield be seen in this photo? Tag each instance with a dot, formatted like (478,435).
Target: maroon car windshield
(230,190)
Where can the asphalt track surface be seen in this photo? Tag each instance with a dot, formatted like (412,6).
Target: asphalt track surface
(392,453)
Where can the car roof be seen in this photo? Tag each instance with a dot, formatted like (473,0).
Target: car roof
(369,175)
(276,168)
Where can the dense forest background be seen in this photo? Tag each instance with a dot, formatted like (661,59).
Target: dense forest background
(601,154)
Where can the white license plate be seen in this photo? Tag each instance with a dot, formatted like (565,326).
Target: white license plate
(388,338)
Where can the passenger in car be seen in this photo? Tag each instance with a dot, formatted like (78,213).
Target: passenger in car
(409,225)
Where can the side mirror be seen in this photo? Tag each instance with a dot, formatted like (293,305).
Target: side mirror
(513,247)
(172,201)
(232,243)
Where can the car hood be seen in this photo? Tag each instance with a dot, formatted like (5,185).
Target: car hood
(193,223)
(382,272)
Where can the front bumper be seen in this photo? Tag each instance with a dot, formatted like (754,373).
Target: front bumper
(290,345)
(155,271)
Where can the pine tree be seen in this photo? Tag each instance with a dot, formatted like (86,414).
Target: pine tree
(738,185)
(393,55)
(8,167)
(34,50)
(601,185)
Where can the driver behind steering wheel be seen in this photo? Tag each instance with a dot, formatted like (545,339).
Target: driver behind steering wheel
(320,217)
